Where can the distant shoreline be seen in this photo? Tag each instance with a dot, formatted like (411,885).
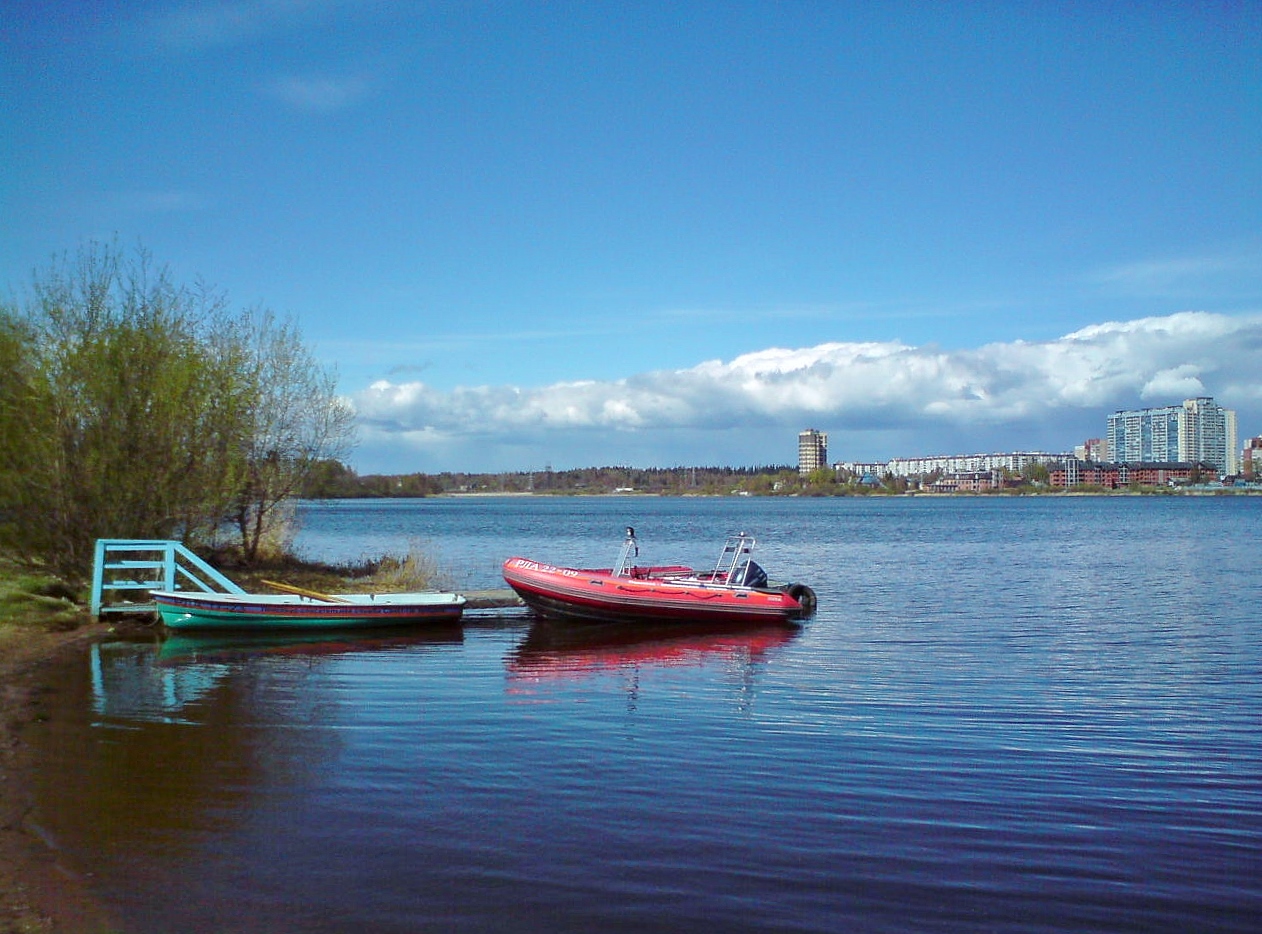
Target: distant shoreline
(874,494)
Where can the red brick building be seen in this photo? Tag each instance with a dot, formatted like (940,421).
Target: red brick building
(1069,474)
(1079,473)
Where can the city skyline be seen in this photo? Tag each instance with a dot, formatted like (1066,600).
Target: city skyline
(673,233)
(1193,431)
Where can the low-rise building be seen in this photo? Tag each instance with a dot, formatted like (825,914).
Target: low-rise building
(980,481)
(1164,474)
(1073,473)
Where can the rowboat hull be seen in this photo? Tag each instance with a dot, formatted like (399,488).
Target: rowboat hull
(189,610)
(600,595)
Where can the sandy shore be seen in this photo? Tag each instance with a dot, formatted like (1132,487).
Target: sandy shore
(38,893)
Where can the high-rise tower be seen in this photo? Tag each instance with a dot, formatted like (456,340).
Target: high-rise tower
(1198,430)
(812,451)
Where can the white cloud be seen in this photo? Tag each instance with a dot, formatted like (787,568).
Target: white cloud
(1019,389)
(222,23)
(1179,382)
(1181,275)
(319,94)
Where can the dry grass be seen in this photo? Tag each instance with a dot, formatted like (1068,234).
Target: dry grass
(418,570)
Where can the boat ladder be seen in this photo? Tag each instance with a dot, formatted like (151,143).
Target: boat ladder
(131,564)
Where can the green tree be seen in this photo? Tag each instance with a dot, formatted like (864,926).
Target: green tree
(821,481)
(293,420)
(1035,473)
(330,478)
(892,484)
(130,407)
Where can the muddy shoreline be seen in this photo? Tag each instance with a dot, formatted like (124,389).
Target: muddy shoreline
(38,892)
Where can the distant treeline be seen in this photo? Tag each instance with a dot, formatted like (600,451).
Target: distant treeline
(332,479)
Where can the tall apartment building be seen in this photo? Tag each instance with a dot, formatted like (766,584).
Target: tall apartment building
(1197,430)
(1093,450)
(812,451)
(1208,434)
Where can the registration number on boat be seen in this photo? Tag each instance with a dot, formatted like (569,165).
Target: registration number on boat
(526,565)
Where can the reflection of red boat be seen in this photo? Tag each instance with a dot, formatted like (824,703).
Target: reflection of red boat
(735,591)
(551,652)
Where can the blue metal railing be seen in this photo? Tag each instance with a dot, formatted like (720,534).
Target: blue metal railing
(130,564)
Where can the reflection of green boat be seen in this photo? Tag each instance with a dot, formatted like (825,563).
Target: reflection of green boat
(224,646)
(190,609)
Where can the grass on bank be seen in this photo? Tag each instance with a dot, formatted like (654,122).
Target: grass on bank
(36,601)
(34,606)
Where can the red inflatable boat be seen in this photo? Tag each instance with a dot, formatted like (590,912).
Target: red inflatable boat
(736,591)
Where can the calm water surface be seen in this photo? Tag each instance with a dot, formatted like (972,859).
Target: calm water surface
(1008,715)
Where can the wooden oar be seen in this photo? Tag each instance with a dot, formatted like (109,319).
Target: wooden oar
(313,594)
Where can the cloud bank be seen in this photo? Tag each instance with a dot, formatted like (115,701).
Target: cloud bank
(867,395)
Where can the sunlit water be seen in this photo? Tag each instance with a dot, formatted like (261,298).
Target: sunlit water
(1008,715)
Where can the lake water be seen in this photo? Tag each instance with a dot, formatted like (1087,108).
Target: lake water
(1036,714)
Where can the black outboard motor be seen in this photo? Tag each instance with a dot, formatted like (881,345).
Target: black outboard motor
(750,574)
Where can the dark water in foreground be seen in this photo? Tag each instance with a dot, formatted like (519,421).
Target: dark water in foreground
(1008,715)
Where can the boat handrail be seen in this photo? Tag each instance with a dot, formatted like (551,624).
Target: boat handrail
(132,564)
(742,543)
(630,551)
(732,560)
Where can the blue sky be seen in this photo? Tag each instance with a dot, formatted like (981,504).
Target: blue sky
(662,234)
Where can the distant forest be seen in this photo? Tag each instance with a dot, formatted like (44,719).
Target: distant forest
(332,479)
